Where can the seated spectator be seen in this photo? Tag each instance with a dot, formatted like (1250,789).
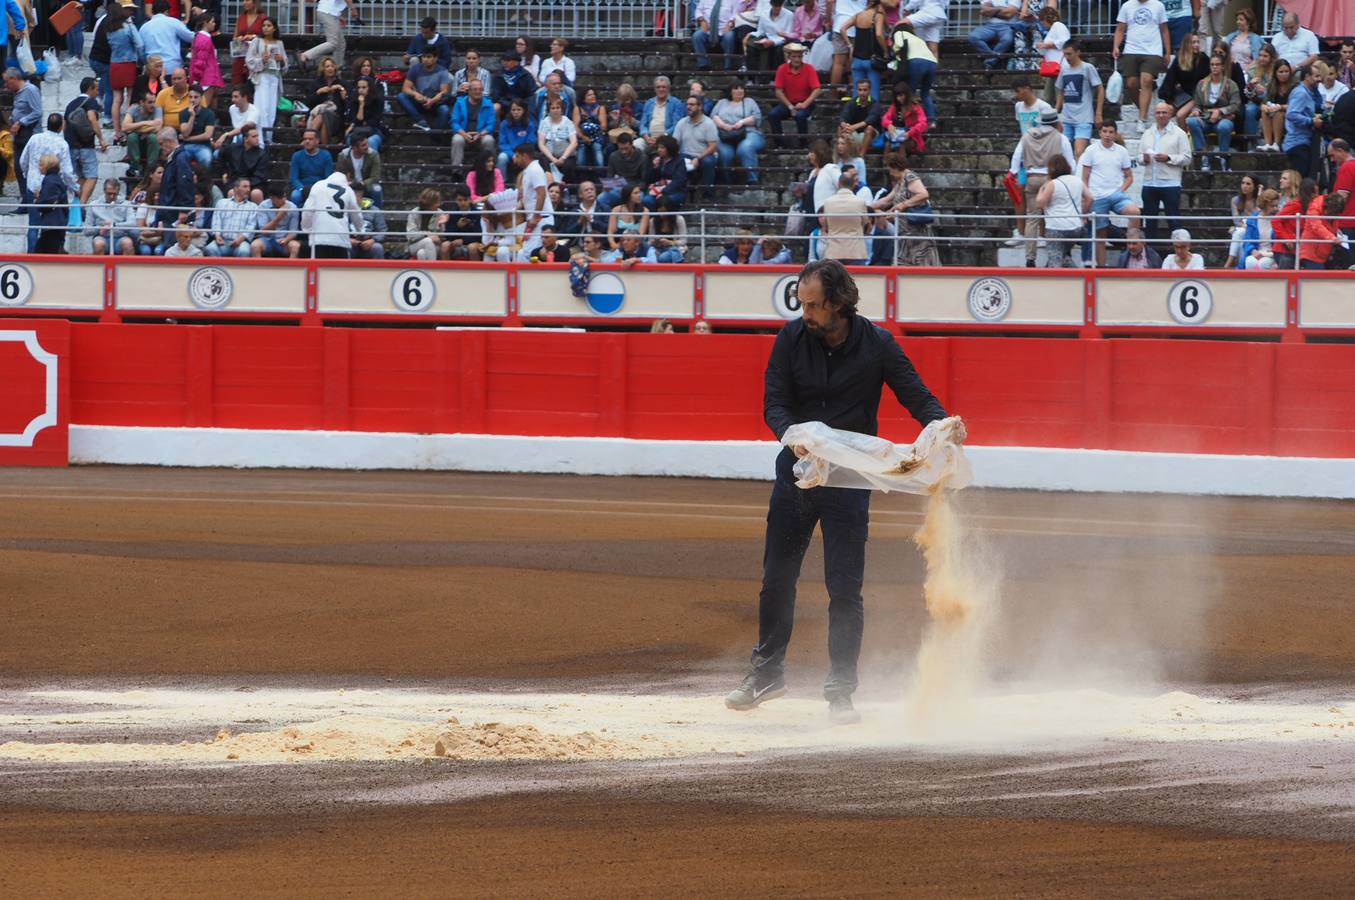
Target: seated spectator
(1243,206)
(1276,106)
(623,116)
(204,69)
(668,233)
(242,112)
(588,215)
(698,142)
(1328,88)
(711,32)
(461,233)
(526,51)
(367,113)
(668,174)
(473,71)
(423,229)
(148,233)
(473,124)
(1182,257)
(310,164)
(1258,252)
(630,252)
(995,38)
(797,87)
(627,165)
(845,154)
(370,242)
(590,250)
(1320,237)
(1296,197)
(1245,42)
(553,89)
(1137,254)
(234,222)
(662,326)
(197,126)
(516,129)
(152,79)
(905,122)
(428,38)
(558,62)
(512,82)
(141,127)
(590,121)
(1187,70)
(860,118)
(173,101)
(702,327)
(1216,103)
(362,165)
(630,216)
(328,102)
(762,48)
(483,179)
(245,160)
(109,223)
(1295,44)
(1255,85)
(551,248)
(557,140)
(276,226)
(185,242)
(659,115)
(427,93)
(739,121)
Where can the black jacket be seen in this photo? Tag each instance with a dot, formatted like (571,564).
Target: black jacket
(239,161)
(806,382)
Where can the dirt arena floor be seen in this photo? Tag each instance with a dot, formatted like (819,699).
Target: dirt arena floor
(139,604)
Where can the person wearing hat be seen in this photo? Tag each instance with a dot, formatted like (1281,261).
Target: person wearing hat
(1181,257)
(797,87)
(512,82)
(1034,152)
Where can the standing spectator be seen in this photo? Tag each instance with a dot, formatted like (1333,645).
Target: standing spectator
(1182,257)
(331,217)
(1276,106)
(311,164)
(659,115)
(860,118)
(141,128)
(197,125)
(124,52)
(248,29)
(242,112)
(668,237)
(1302,121)
(1213,16)
(739,122)
(1029,108)
(472,71)
(590,121)
(921,68)
(865,32)
(31,173)
(178,192)
(367,113)
(844,222)
(1244,42)
(711,32)
(1345,70)
(1328,88)
(843,12)
(626,165)
(51,199)
(1064,204)
(473,124)
(423,228)
(534,195)
(905,122)
(1181,18)
(428,38)
(362,166)
(1342,123)
(558,62)
(928,20)
(513,82)
(516,129)
(1216,102)
(1050,47)
(797,87)
(108,223)
(698,142)
(762,48)
(328,15)
(1343,185)
(164,36)
(233,223)
(557,140)
(204,69)
(1137,254)
(668,174)
(997,35)
(24,119)
(1081,96)
(1187,70)
(277,226)
(266,62)
(328,102)
(427,92)
(173,101)
(1108,175)
(629,217)
(910,202)
(1256,85)
(1165,152)
(1034,152)
(82,131)
(1143,48)
(247,159)
(99,54)
(1295,45)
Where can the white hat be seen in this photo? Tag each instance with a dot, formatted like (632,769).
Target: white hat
(1180,236)
(503,201)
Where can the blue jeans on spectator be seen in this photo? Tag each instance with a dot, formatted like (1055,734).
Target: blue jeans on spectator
(745,150)
(671,255)
(593,150)
(1178,28)
(704,174)
(704,41)
(374,140)
(215,249)
(1251,118)
(105,87)
(1199,127)
(441,113)
(1165,201)
(993,39)
(780,112)
(862,69)
(201,154)
(921,77)
(651,202)
(607,200)
(75,40)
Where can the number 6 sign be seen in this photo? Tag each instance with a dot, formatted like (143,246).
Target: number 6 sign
(413,290)
(1190,302)
(16,285)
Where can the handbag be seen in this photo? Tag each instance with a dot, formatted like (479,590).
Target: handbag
(1050,68)
(65,18)
(920,216)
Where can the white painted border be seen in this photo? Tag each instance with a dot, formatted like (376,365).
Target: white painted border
(1006,467)
(50,413)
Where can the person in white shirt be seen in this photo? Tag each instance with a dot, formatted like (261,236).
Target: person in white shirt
(1296,45)
(1181,257)
(331,217)
(928,18)
(1050,47)
(1065,203)
(241,111)
(1142,48)
(1033,153)
(1328,88)
(233,222)
(1165,151)
(762,48)
(1107,173)
(184,235)
(707,34)
(328,16)
(558,62)
(1029,107)
(843,13)
(534,189)
(109,222)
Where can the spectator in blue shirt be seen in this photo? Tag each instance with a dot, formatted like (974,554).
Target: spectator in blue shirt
(17,20)
(310,164)
(671,111)
(554,87)
(1302,120)
(516,128)
(24,118)
(473,123)
(429,39)
(164,36)
(427,92)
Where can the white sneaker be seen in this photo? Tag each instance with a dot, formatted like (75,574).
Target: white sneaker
(1015,240)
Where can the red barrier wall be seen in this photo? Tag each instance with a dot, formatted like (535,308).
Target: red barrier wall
(1144,394)
(34,392)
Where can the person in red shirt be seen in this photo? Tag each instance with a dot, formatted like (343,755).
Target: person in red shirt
(797,87)
(1343,164)
(1285,225)
(1320,236)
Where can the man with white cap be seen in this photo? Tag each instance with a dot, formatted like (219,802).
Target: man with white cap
(1181,257)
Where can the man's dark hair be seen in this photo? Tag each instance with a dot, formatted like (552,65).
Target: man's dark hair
(527,150)
(360,134)
(625,137)
(1074,43)
(87,83)
(277,189)
(55,122)
(1020,81)
(839,288)
(1340,144)
(457,191)
(1108,123)
(159,7)
(1303,72)
(429,22)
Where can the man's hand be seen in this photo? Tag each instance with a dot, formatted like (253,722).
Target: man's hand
(800,452)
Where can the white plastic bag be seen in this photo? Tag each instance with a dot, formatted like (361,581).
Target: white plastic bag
(820,54)
(24,54)
(53,65)
(1115,86)
(846,459)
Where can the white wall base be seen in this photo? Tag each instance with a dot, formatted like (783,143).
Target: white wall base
(1038,468)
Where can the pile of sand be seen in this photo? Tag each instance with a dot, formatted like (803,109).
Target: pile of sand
(357,737)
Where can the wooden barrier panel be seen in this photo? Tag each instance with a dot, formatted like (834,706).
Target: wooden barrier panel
(1327,302)
(412,287)
(33,284)
(987,299)
(34,392)
(199,285)
(1197,299)
(614,292)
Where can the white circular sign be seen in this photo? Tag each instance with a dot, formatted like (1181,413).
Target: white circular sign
(16,284)
(413,290)
(210,287)
(990,299)
(784,299)
(1190,302)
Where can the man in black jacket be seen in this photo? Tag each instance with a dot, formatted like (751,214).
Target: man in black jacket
(828,366)
(245,159)
(177,187)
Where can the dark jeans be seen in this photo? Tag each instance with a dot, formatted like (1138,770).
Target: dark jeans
(324,251)
(844,516)
(780,112)
(1301,159)
(1161,201)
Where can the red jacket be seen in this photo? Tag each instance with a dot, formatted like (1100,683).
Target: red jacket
(914,122)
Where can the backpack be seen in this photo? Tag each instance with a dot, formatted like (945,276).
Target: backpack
(579,276)
(78,129)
